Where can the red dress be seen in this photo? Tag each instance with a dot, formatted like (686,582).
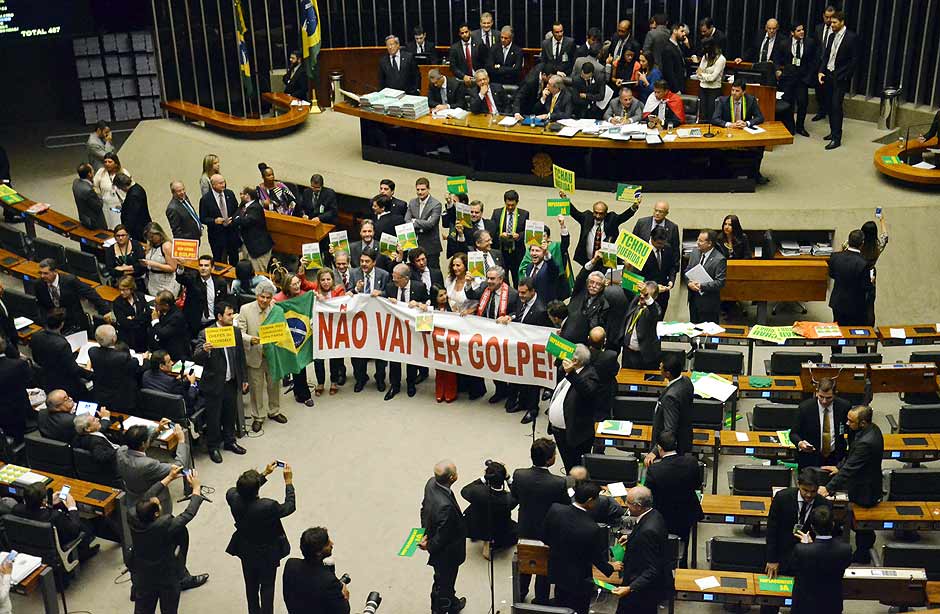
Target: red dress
(445,382)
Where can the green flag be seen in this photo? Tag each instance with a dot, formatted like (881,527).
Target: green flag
(290,356)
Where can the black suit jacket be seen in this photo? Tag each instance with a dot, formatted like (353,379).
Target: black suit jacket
(56,425)
(197,297)
(807,72)
(66,523)
(171,333)
(295,83)
(259,535)
(564,106)
(648,340)
(116,377)
(644,227)
(71,291)
(564,61)
(52,352)
(406,78)
(846,58)
(386,224)
(89,205)
(458,61)
(717,267)
(778,53)
(134,211)
(673,482)
(430,50)
(674,414)
(750,109)
(455,94)
(213,364)
(807,427)
(673,68)
(14,379)
(478,105)
(593,91)
(647,565)
(101,449)
(509,245)
(312,587)
(536,316)
(253,229)
(579,406)
(582,314)
(545,280)
(507,71)
(182,223)
(155,545)
(8,330)
(784,514)
(419,292)
(851,275)
(132,321)
(818,571)
(606,364)
(325,208)
(512,302)
(444,526)
(219,235)
(611,230)
(860,470)
(536,489)
(576,544)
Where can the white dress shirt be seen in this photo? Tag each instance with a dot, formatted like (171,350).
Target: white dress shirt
(556,409)
(831,63)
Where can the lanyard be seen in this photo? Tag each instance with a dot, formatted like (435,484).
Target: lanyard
(743,107)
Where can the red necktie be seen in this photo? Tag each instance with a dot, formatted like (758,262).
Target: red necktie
(597,238)
(466,52)
(489,103)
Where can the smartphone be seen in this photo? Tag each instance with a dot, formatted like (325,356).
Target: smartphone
(64,493)
(86,407)
(280,463)
(878,212)
(187,472)
(11,556)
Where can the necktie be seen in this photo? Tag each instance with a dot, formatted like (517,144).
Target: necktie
(192,211)
(395,61)
(551,108)
(505,54)
(420,48)
(763,49)
(557,50)
(829,48)
(489,103)
(469,56)
(509,222)
(492,306)
(401,294)
(3,308)
(487,261)
(737,111)
(702,261)
(345,279)
(486,41)
(222,210)
(802,518)
(367,287)
(54,294)
(598,236)
(205,309)
(799,49)
(659,258)
(618,49)
(826,434)
(535,269)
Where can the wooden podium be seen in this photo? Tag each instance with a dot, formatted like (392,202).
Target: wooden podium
(289,232)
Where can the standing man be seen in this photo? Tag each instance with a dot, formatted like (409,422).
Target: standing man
(98,144)
(60,290)
(647,568)
(571,408)
(135,214)
(705,296)
(497,301)
(818,567)
(169,330)
(558,52)
(657,38)
(822,34)
(53,354)
(673,65)
(597,226)
(184,221)
(116,372)
(645,225)
(250,318)
(252,229)
(510,221)
(851,281)
(860,474)
(673,480)
(767,46)
(673,412)
(371,280)
(422,46)
(397,69)
(641,346)
(259,539)
(202,294)
(318,203)
(506,59)
(216,210)
(531,310)
(414,294)
(486,35)
(87,201)
(606,366)
(836,69)
(445,538)
(140,472)
(223,382)
(466,55)
(819,432)
(295,79)
(799,73)
(424,211)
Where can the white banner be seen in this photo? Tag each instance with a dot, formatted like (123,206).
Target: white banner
(362,326)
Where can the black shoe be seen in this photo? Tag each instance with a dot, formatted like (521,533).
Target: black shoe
(546,395)
(341,380)
(256,426)
(515,407)
(279,418)
(802,132)
(412,390)
(476,395)
(194,581)
(235,448)
(391,393)
(496,398)
(380,385)
(457,605)
(828,137)
(818,117)
(833,144)
(529,417)
(761,180)
(309,403)
(359,386)
(215,456)
(422,375)
(88,553)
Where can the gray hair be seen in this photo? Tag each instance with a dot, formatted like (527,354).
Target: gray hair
(506,30)
(339,253)
(642,497)
(265,286)
(500,271)
(434,74)
(480,71)
(557,82)
(402,269)
(392,36)
(597,275)
(105,335)
(83,422)
(582,354)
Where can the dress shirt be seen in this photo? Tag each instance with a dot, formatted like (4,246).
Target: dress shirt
(209,314)
(505,54)
(421,205)
(396,60)
(832,426)
(404,294)
(831,62)
(426,277)
(527,305)
(368,281)
(770,47)
(796,51)
(100,434)
(803,513)
(556,409)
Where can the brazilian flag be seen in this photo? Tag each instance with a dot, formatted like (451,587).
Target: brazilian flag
(243,67)
(293,355)
(310,34)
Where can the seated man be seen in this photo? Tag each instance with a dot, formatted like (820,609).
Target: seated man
(63,515)
(606,510)
(624,109)
(555,102)
(587,91)
(739,111)
(445,92)
(664,107)
(485,97)
(56,419)
(89,436)
(528,94)
(159,376)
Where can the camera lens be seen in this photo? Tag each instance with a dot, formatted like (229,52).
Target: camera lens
(372,603)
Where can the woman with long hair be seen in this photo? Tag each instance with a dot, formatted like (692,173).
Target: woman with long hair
(457,283)
(210,166)
(445,382)
(711,72)
(273,194)
(104,185)
(290,287)
(647,76)
(876,240)
(327,288)
(123,258)
(732,242)
(159,262)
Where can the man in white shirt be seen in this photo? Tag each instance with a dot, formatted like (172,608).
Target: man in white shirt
(571,408)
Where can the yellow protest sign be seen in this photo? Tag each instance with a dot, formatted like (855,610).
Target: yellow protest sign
(221,336)
(633,249)
(274,333)
(562,178)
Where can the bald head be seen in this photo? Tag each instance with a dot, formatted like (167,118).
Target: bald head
(597,337)
(639,499)
(445,472)
(771,27)
(218,182)
(56,399)
(579,473)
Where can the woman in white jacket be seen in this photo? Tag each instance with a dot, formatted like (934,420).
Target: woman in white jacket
(104,185)
(710,73)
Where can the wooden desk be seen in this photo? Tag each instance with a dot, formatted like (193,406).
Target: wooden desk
(729,509)
(904,377)
(783,280)
(911,447)
(781,386)
(914,334)
(29,270)
(289,232)
(905,172)
(94,238)
(760,444)
(9,260)
(734,335)
(294,116)
(851,336)
(80,491)
(168,444)
(766,95)
(688,590)
(887,515)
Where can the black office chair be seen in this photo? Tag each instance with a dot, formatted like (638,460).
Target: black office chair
(745,554)
(90,470)
(708,414)
(15,241)
(607,469)
(155,405)
(690,105)
(718,361)
(49,455)
(244,299)
(10,451)
(922,398)
(914,484)
(789,363)
(638,410)
(758,480)
(772,417)
(83,265)
(926,556)
(22,304)
(47,249)
(42,539)
(916,419)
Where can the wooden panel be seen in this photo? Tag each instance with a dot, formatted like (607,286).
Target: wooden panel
(765,94)
(80,490)
(533,557)
(780,280)
(289,232)
(906,172)
(730,505)
(293,116)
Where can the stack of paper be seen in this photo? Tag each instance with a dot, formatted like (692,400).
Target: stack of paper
(393,108)
(457,113)
(822,249)
(509,120)
(790,248)
(711,386)
(710,328)
(676,329)
(616,427)
(23,565)
(413,107)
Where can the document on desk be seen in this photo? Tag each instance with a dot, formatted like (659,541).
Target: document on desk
(654,139)
(82,357)
(569,131)
(754,129)
(617,489)
(669,138)
(22,322)
(712,386)
(898,333)
(608,94)
(927,166)
(509,120)
(23,565)
(699,274)
(707,583)
(742,437)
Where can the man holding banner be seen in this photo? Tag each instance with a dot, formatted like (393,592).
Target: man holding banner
(414,294)
(497,300)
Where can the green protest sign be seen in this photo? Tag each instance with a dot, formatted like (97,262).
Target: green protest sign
(559,347)
(457,185)
(627,193)
(411,543)
(780,584)
(557,206)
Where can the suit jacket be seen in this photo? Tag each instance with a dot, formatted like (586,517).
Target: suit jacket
(647,566)
(142,473)
(536,315)
(444,526)
(545,280)
(818,571)
(860,470)
(716,266)
(846,58)
(512,302)
(430,50)
(615,109)
(576,544)
(488,515)
(851,275)
(674,414)
(418,292)
(644,227)
(564,61)
(607,365)
(51,351)
(783,516)
(673,481)
(56,425)
(132,321)
(214,364)
(295,82)
(381,279)
(116,377)
(454,94)
(749,107)
(477,36)
(647,317)
(806,74)
(778,54)
(618,301)
(8,330)
(516,246)
(427,224)
(325,207)
(655,41)
(71,291)
(583,315)
(594,92)
(506,69)
(14,379)
(135,214)
(673,67)
(194,309)
(536,489)
(386,224)
(250,318)
(100,447)
(259,535)
(807,427)
(253,229)
(437,279)
(182,223)
(171,333)
(564,106)
(478,105)
(662,271)
(312,587)
(154,563)
(579,405)
(406,78)
(611,230)
(469,241)
(219,235)
(90,207)
(720,38)
(458,60)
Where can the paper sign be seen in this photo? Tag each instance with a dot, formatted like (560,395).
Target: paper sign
(633,249)
(407,237)
(534,233)
(311,253)
(609,254)
(274,333)
(562,179)
(475,265)
(463,215)
(607,586)
(221,336)
(784,438)
(616,427)
(388,245)
(457,185)
(339,241)
(424,322)
(707,582)
(780,584)
(559,347)
(411,543)
(557,206)
(772,334)
(891,159)
(629,193)
(6,190)
(632,282)
(185,249)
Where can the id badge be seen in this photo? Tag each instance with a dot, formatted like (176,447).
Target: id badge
(564,57)
(796,62)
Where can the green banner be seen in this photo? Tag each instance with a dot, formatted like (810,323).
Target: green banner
(632,282)
(772,334)
(411,543)
(780,584)
(457,185)
(557,206)
(559,347)
(562,179)
(607,586)
(633,249)
(629,193)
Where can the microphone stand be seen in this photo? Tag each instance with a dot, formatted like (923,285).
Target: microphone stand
(709,134)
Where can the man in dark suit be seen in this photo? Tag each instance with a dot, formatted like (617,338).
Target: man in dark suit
(216,210)
(89,436)
(606,366)
(58,290)
(252,229)
(558,52)
(531,310)
(367,240)
(461,238)
(445,538)
(116,372)
(767,46)
(466,55)
(657,38)
(295,78)
(673,480)
(571,409)
(385,219)
(396,205)
(819,565)
(57,419)
(182,216)
(859,473)
(618,302)
(14,379)
(707,30)
(740,111)
(530,90)
(311,585)
(486,35)
(821,34)
(223,380)
(800,68)
(421,46)
(412,293)
(588,307)
(641,346)
(647,568)
(318,202)
(88,202)
(422,271)
(536,489)
(645,225)
(424,211)
(555,102)
(135,214)
(509,221)
(203,291)
(259,539)
(62,514)
(598,226)
(52,352)
(372,280)
(673,413)
(8,329)
(498,301)
(542,271)
(836,68)
(587,90)
(819,432)
(673,64)
(170,331)
(790,513)
(851,282)
(398,69)
(506,59)
(445,92)
(486,97)
(576,544)
(705,296)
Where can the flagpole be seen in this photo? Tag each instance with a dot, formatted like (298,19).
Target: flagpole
(238,56)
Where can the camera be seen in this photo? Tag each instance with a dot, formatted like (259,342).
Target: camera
(372,603)
(345,579)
